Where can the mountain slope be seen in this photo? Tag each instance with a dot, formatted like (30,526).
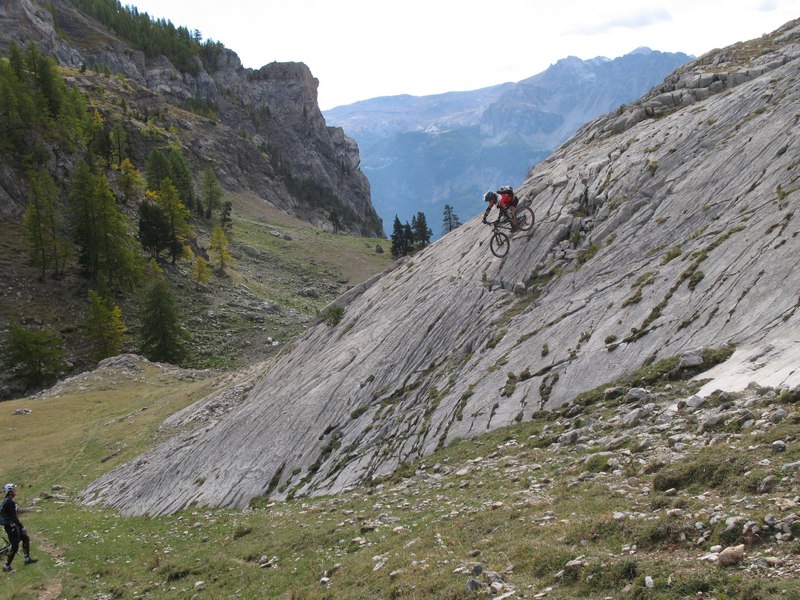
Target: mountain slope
(421,153)
(664,227)
(261,130)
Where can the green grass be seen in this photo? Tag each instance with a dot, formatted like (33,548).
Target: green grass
(506,499)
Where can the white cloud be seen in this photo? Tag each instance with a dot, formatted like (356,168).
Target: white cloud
(637,20)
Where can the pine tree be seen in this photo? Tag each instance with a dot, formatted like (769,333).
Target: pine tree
(401,238)
(162,334)
(421,231)
(35,355)
(219,246)
(450,221)
(154,230)
(176,215)
(107,249)
(105,326)
(157,169)
(42,225)
(181,177)
(210,193)
(118,140)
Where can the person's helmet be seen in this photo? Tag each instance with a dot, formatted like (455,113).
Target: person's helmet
(489,197)
(506,189)
(8,488)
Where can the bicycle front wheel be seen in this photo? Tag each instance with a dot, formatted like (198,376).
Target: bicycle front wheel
(524,218)
(499,244)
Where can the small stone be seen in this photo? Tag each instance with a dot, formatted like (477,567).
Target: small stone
(732,555)
(648,581)
(199,586)
(778,446)
(777,416)
(473,585)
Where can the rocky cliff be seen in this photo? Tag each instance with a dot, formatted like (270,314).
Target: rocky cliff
(665,227)
(266,133)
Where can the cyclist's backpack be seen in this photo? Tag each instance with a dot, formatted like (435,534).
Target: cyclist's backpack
(507,189)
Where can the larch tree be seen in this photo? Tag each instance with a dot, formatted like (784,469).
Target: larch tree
(219,248)
(104,326)
(176,215)
(210,194)
(43,227)
(163,337)
(130,181)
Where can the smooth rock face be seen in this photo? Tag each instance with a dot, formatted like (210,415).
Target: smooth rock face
(687,239)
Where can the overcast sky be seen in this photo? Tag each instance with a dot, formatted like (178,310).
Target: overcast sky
(360,49)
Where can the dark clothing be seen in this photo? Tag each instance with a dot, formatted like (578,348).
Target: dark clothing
(8,512)
(14,530)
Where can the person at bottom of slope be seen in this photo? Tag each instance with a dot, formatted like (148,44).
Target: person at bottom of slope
(505,200)
(14,529)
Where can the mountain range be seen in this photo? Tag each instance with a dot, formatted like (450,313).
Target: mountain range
(420,153)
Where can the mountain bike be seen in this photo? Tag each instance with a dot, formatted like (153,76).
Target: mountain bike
(6,546)
(500,242)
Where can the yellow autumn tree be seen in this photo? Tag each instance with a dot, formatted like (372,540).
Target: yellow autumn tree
(219,248)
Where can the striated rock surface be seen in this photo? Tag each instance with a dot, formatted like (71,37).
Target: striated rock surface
(662,229)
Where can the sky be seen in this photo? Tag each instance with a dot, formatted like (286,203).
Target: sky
(362,49)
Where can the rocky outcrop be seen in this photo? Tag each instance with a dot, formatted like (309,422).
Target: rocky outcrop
(267,122)
(674,233)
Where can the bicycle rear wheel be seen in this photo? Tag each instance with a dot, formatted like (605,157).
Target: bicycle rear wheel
(525,218)
(499,244)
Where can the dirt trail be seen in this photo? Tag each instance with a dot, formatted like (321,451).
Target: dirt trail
(52,589)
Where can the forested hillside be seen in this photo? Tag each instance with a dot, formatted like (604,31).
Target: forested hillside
(121,229)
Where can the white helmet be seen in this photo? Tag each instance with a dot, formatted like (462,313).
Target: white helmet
(8,488)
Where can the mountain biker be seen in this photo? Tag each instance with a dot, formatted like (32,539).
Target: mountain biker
(14,529)
(505,200)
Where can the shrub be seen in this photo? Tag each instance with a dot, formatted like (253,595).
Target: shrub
(333,316)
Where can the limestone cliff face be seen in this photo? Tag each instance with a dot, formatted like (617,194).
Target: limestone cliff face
(668,226)
(267,120)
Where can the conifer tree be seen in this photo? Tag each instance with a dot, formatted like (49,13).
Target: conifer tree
(130,180)
(154,230)
(42,225)
(219,247)
(181,176)
(401,238)
(450,221)
(210,193)
(201,272)
(107,249)
(157,169)
(421,232)
(176,215)
(104,325)
(36,354)
(225,215)
(162,334)
(118,140)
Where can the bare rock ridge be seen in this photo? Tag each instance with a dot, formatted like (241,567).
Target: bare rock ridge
(267,121)
(664,228)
